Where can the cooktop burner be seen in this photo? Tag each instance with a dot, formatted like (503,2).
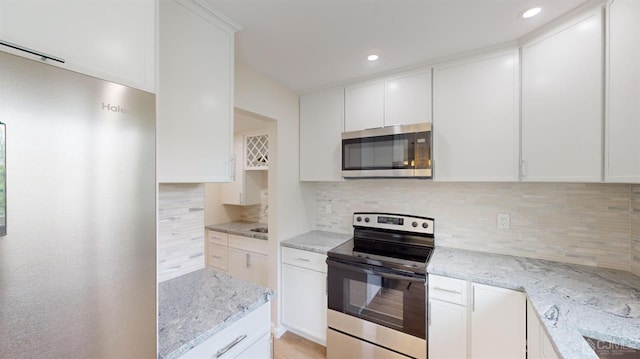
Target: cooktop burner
(399,242)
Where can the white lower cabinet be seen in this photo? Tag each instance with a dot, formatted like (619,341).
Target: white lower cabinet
(538,344)
(241,257)
(249,266)
(247,338)
(447,330)
(498,323)
(304,293)
(488,323)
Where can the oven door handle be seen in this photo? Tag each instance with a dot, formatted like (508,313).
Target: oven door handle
(372,271)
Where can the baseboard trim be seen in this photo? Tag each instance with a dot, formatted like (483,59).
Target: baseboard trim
(278,331)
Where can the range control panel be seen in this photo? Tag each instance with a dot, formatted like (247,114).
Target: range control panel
(398,222)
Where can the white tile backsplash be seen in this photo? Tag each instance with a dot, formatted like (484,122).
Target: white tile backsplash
(577,223)
(258,212)
(180,229)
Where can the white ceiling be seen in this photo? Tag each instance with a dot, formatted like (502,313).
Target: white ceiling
(308,44)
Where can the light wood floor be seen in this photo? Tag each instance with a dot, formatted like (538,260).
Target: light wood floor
(291,346)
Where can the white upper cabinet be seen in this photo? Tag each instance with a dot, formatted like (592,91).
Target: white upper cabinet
(622,151)
(407,99)
(195,94)
(562,92)
(476,119)
(364,106)
(321,125)
(246,187)
(109,39)
(401,99)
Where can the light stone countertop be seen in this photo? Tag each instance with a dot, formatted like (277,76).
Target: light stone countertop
(316,241)
(240,228)
(571,300)
(197,305)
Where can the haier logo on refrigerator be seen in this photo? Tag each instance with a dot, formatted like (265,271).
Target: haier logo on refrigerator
(109,107)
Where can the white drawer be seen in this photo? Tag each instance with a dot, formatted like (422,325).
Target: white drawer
(249,244)
(218,237)
(219,257)
(448,289)
(304,259)
(244,332)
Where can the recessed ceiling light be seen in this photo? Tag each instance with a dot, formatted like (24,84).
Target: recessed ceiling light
(372,57)
(531,12)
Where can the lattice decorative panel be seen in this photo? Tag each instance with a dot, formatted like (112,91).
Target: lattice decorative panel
(257,156)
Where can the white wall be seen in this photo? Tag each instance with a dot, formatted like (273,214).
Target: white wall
(291,203)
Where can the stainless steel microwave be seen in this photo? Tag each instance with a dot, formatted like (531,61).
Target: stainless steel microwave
(395,151)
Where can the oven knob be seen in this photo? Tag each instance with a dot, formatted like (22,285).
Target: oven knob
(425,225)
(359,219)
(366,219)
(414,224)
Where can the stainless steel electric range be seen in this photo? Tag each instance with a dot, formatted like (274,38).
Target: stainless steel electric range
(376,288)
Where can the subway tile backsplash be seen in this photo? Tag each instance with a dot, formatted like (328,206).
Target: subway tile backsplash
(180,229)
(591,224)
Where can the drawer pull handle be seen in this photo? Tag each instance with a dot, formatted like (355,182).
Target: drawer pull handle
(222,351)
(447,290)
(303,259)
(216,257)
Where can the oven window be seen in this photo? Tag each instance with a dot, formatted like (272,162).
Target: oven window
(383,152)
(392,302)
(376,300)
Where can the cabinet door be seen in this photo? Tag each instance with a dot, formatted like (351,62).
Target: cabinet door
(195,94)
(110,39)
(260,349)
(246,187)
(407,99)
(218,257)
(562,95)
(364,106)
(534,343)
(498,325)
(239,264)
(622,150)
(321,126)
(447,330)
(479,140)
(304,301)
(538,344)
(252,267)
(259,269)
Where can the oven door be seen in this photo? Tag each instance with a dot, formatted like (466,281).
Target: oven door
(379,296)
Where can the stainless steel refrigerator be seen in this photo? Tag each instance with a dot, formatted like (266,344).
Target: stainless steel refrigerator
(78,262)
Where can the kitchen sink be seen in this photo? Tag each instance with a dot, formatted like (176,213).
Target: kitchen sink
(607,350)
(260,230)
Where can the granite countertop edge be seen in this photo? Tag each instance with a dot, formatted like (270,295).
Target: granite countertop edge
(240,228)
(218,328)
(519,273)
(316,241)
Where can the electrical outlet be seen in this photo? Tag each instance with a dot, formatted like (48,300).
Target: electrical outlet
(327,208)
(504,221)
